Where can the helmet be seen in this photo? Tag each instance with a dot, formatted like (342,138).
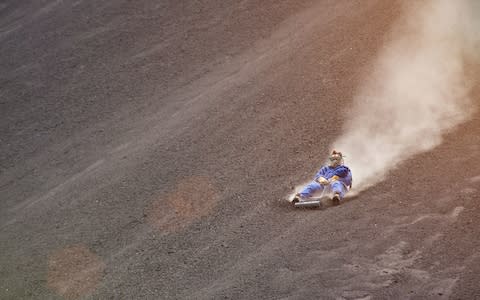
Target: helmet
(336,158)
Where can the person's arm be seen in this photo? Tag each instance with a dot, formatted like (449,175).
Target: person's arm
(341,172)
(320,173)
(320,176)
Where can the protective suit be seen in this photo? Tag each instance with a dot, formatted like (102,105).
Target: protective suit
(336,177)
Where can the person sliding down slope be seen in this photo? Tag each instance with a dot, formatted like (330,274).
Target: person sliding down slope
(335,176)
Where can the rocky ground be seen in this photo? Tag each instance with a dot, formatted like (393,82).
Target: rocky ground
(147,148)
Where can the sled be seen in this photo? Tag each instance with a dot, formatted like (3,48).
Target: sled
(313,202)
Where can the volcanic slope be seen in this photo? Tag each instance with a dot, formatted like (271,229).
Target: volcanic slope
(147,148)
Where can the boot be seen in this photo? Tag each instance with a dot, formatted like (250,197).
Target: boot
(297,198)
(336,199)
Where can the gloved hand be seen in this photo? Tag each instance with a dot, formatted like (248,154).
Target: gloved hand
(322,180)
(334,178)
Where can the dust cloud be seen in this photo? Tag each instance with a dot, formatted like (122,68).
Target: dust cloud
(418,90)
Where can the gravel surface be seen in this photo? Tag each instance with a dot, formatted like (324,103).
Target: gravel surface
(147,148)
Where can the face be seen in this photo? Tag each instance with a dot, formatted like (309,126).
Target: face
(335,160)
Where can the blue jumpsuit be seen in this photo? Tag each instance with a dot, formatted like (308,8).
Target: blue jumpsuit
(338,186)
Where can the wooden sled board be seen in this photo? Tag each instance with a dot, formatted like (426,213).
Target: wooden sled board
(311,202)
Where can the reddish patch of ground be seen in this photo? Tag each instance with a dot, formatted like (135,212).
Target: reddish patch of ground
(191,199)
(74,271)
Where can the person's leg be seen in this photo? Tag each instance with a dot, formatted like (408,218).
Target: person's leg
(310,189)
(338,188)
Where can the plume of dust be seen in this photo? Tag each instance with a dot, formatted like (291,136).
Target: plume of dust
(417,91)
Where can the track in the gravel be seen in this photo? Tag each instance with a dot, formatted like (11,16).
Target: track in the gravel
(146,148)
